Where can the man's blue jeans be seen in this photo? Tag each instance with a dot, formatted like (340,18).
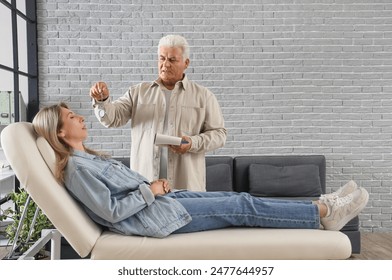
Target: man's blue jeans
(214,210)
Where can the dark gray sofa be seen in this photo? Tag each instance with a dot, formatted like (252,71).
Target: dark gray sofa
(288,177)
(295,177)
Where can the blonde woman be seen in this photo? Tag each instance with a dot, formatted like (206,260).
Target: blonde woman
(124,201)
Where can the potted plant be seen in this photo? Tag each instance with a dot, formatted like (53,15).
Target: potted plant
(27,236)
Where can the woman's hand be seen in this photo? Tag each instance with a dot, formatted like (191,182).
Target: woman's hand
(160,187)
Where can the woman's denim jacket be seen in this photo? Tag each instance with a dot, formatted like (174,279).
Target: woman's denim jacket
(120,199)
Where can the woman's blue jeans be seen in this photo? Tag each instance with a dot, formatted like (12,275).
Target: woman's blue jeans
(214,210)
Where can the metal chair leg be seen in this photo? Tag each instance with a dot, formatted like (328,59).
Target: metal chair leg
(32,224)
(47,234)
(19,228)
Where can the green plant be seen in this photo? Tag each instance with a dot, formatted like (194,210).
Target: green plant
(41,222)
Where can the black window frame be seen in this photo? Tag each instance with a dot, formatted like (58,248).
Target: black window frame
(32,103)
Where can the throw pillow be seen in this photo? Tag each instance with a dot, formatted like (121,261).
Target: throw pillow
(290,181)
(219,177)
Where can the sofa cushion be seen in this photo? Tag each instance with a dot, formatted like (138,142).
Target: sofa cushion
(227,244)
(218,177)
(241,167)
(289,181)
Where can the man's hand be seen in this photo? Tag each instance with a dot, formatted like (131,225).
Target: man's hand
(99,91)
(183,148)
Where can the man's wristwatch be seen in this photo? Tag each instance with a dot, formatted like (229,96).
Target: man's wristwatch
(101,113)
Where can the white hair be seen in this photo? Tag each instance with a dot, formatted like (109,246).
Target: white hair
(175,41)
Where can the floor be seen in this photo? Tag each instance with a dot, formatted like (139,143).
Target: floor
(3,249)
(374,246)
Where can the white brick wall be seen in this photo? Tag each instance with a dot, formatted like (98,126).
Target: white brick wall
(292,77)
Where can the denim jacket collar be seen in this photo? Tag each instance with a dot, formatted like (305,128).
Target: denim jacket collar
(82,154)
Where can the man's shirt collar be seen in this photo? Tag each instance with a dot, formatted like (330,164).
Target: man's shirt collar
(184,82)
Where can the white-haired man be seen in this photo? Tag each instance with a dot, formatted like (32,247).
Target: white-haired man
(171,105)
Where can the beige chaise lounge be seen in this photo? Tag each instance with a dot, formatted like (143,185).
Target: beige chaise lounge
(30,159)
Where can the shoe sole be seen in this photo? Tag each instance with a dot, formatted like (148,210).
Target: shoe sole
(355,213)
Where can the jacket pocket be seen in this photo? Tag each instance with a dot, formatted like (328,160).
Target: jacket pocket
(192,119)
(162,217)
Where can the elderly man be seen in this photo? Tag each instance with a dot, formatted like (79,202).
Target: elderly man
(171,105)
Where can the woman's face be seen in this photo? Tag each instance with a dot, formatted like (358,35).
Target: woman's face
(73,130)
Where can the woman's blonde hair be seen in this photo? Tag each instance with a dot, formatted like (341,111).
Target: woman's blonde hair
(47,123)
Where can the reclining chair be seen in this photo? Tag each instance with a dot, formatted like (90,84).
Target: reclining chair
(33,160)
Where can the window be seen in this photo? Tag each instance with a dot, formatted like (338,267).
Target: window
(18,61)
(18,66)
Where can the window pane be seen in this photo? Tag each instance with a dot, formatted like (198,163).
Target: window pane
(22,44)
(6,97)
(6,80)
(6,36)
(6,107)
(23,98)
(21,5)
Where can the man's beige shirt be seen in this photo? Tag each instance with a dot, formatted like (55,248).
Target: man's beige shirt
(194,111)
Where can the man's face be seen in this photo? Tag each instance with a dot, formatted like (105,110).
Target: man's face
(171,66)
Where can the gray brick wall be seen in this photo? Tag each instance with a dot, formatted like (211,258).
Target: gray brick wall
(292,76)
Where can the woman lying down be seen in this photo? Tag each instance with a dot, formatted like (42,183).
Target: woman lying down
(125,202)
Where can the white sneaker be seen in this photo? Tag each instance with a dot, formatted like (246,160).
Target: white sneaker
(341,192)
(343,209)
